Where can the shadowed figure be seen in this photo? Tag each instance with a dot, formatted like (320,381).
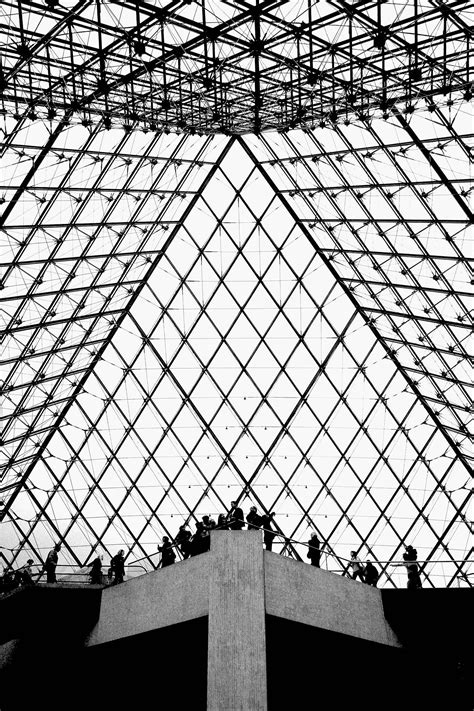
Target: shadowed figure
(314,550)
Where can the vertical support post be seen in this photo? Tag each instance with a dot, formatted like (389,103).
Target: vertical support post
(236,663)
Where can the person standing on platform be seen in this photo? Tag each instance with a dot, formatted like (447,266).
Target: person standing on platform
(253,519)
(236,517)
(222,522)
(26,573)
(167,553)
(314,550)
(371,574)
(209,523)
(117,566)
(200,540)
(51,563)
(268,532)
(183,540)
(410,557)
(95,575)
(357,567)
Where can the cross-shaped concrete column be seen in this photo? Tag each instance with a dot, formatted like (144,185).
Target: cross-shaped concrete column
(236,662)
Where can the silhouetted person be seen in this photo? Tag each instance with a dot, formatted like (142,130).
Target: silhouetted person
(222,522)
(371,574)
(209,523)
(183,540)
(167,553)
(268,532)
(25,574)
(205,535)
(117,566)
(357,567)
(314,550)
(199,543)
(8,580)
(410,557)
(51,563)
(95,575)
(253,519)
(236,517)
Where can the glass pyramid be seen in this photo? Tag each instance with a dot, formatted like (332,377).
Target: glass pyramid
(198,314)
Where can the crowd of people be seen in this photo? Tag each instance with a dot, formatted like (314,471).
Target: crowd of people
(190,544)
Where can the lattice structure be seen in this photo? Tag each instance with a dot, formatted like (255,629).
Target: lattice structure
(232,67)
(279,317)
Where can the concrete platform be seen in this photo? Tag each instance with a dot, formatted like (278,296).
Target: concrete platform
(240,629)
(238,566)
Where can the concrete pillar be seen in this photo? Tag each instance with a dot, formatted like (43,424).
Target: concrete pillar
(236,663)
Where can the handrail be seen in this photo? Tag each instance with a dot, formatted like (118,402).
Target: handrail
(71,572)
(85,570)
(344,563)
(287,539)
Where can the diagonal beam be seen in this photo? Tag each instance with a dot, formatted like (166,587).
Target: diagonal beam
(34,167)
(118,323)
(390,354)
(434,164)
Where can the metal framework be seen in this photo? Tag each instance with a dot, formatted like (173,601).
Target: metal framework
(233,67)
(236,263)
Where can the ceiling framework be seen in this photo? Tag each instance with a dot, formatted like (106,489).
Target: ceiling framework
(232,67)
(196,307)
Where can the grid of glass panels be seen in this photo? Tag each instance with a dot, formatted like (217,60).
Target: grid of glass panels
(281,317)
(244,370)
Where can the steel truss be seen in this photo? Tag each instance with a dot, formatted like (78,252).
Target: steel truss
(280,318)
(233,67)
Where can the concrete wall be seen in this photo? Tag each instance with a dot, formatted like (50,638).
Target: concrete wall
(165,597)
(257,623)
(303,593)
(236,663)
(287,588)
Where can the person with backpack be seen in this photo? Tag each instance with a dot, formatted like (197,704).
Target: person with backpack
(371,574)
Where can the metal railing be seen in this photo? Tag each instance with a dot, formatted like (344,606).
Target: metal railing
(393,570)
(68,575)
(390,569)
